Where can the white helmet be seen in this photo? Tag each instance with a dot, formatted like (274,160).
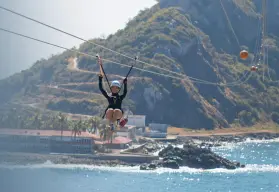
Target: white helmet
(115,83)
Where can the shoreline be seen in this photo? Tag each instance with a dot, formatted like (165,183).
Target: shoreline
(131,159)
(229,133)
(230,138)
(24,159)
(266,128)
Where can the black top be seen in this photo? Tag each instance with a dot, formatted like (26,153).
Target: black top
(114,100)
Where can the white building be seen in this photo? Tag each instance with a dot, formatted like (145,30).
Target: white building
(136,120)
(163,128)
(155,134)
(128,132)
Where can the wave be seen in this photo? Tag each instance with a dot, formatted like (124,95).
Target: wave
(248,140)
(250,168)
(230,145)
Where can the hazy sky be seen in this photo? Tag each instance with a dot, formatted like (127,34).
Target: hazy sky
(84,18)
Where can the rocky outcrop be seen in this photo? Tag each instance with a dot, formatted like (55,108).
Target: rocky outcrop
(148,147)
(193,156)
(151,147)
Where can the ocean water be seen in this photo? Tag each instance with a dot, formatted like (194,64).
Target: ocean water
(261,174)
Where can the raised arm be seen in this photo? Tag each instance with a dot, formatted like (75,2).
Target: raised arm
(101,87)
(125,89)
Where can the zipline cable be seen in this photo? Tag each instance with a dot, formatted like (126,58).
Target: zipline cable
(230,24)
(87,41)
(34,20)
(110,61)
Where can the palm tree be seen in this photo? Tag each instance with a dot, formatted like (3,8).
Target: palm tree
(11,118)
(94,124)
(105,132)
(76,128)
(62,122)
(20,122)
(47,123)
(102,130)
(36,121)
(54,122)
(3,120)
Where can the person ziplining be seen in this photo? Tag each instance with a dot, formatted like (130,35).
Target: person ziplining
(113,112)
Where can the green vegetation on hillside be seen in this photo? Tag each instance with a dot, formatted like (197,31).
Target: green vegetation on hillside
(24,119)
(188,37)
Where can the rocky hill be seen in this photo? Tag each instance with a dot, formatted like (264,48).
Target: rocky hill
(199,39)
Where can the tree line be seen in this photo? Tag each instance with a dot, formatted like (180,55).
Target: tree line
(15,119)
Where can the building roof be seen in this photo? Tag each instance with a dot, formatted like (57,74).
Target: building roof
(45,133)
(116,140)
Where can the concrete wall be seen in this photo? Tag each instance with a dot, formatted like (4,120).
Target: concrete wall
(71,145)
(38,144)
(15,143)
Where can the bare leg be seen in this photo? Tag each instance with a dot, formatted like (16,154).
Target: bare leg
(117,114)
(109,115)
(110,118)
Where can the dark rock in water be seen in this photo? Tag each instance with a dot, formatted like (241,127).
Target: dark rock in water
(151,166)
(143,167)
(174,158)
(217,145)
(170,164)
(151,147)
(145,140)
(206,145)
(196,157)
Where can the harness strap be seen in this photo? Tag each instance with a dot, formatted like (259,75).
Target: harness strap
(101,65)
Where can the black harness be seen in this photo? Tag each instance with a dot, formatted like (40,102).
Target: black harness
(113,103)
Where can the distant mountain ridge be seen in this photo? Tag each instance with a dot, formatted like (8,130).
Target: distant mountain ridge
(189,37)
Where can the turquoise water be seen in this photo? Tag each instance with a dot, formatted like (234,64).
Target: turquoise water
(261,174)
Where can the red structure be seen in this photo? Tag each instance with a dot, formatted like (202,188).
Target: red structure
(254,68)
(244,54)
(123,122)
